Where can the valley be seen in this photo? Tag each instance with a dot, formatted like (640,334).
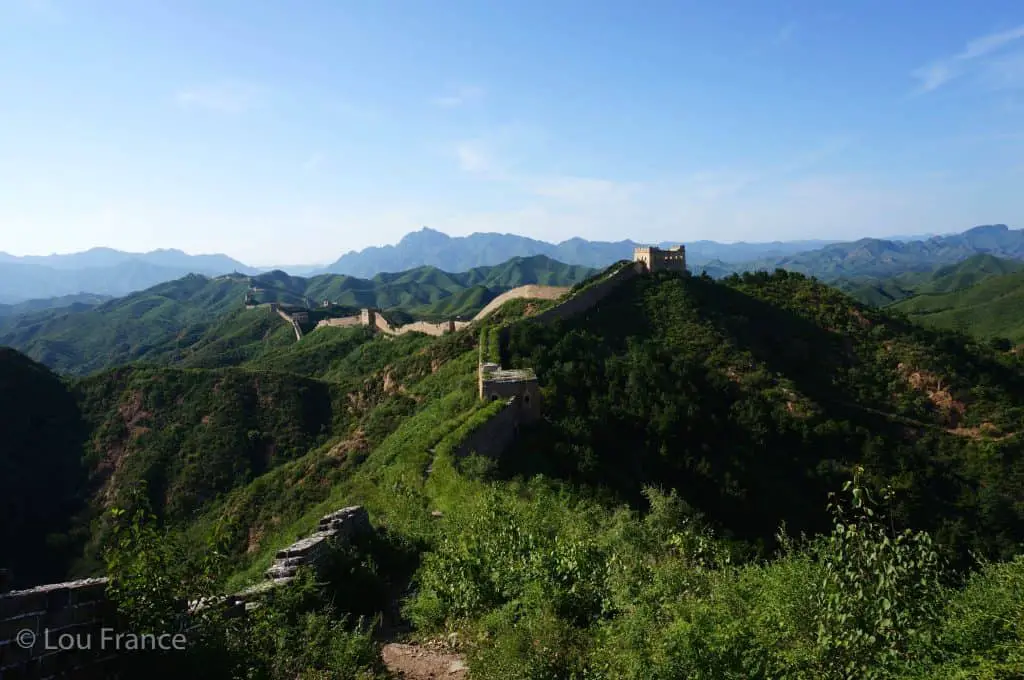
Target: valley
(691,431)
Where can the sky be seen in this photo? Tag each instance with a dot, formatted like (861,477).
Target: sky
(292,132)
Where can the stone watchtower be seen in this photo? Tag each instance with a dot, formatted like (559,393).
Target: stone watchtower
(497,383)
(654,259)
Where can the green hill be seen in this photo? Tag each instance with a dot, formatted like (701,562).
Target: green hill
(993,308)
(885,258)
(648,526)
(43,481)
(944,279)
(200,321)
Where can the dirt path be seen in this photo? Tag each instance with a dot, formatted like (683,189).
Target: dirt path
(413,662)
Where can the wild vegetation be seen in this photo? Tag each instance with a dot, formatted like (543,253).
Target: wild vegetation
(198,321)
(982,296)
(668,518)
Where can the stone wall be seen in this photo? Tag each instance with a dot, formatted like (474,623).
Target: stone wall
(531,291)
(295,324)
(585,299)
(81,609)
(35,623)
(493,437)
(369,317)
(434,329)
(339,526)
(343,322)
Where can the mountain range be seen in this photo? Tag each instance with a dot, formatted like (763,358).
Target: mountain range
(664,517)
(167,322)
(103,271)
(459,253)
(885,257)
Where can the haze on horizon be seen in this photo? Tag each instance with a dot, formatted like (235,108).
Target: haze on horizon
(280,133)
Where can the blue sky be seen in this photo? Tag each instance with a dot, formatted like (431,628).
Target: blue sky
(291,132)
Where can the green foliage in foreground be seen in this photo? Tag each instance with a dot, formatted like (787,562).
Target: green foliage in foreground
(159,587)
(541,585)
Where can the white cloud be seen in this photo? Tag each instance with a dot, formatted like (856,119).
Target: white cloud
(460,96)
(225,97)
(472,157)
(942,71)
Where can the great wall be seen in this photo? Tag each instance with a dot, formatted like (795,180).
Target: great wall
(82,607)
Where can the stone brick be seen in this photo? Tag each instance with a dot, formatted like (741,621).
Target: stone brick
(10,627)
(57,598)
(85,613)
(14,654)
(20,603)
(89,590)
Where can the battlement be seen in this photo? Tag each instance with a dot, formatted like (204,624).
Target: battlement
(654,259)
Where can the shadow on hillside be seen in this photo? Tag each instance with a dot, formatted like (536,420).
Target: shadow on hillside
(633,397)
(43,477)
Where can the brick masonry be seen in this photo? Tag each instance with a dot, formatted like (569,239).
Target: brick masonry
(81,609)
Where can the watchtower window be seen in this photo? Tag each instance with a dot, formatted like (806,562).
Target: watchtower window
(494,397)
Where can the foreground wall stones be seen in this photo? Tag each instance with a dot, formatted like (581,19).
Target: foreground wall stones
(493,437)
(336,528)
(45,616)
(31,620)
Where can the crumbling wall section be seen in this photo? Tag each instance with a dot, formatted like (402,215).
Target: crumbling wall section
(35,624)
(33,621)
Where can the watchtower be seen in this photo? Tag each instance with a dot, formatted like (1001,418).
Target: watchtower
(497,383)
(653,259)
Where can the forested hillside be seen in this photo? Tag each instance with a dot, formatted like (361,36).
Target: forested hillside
(195,320)
(753,395)
(982,296)
(649,526)
(887,258)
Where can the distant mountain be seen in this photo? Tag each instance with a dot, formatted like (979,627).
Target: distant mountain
(73,302)
(880,257)
(294,269)
(947,278)
(991,307)
(102,271)
(163,323)
(108,257)
(704,252)
(428,247)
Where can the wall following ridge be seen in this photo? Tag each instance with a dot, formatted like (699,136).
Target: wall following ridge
(81,609)
(494,436)
(295,324)
(33,620)
(372,318)
(339,526)
(586,299)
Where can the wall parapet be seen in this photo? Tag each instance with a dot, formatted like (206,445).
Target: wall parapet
(28,618)
(339,526)
(33,620)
